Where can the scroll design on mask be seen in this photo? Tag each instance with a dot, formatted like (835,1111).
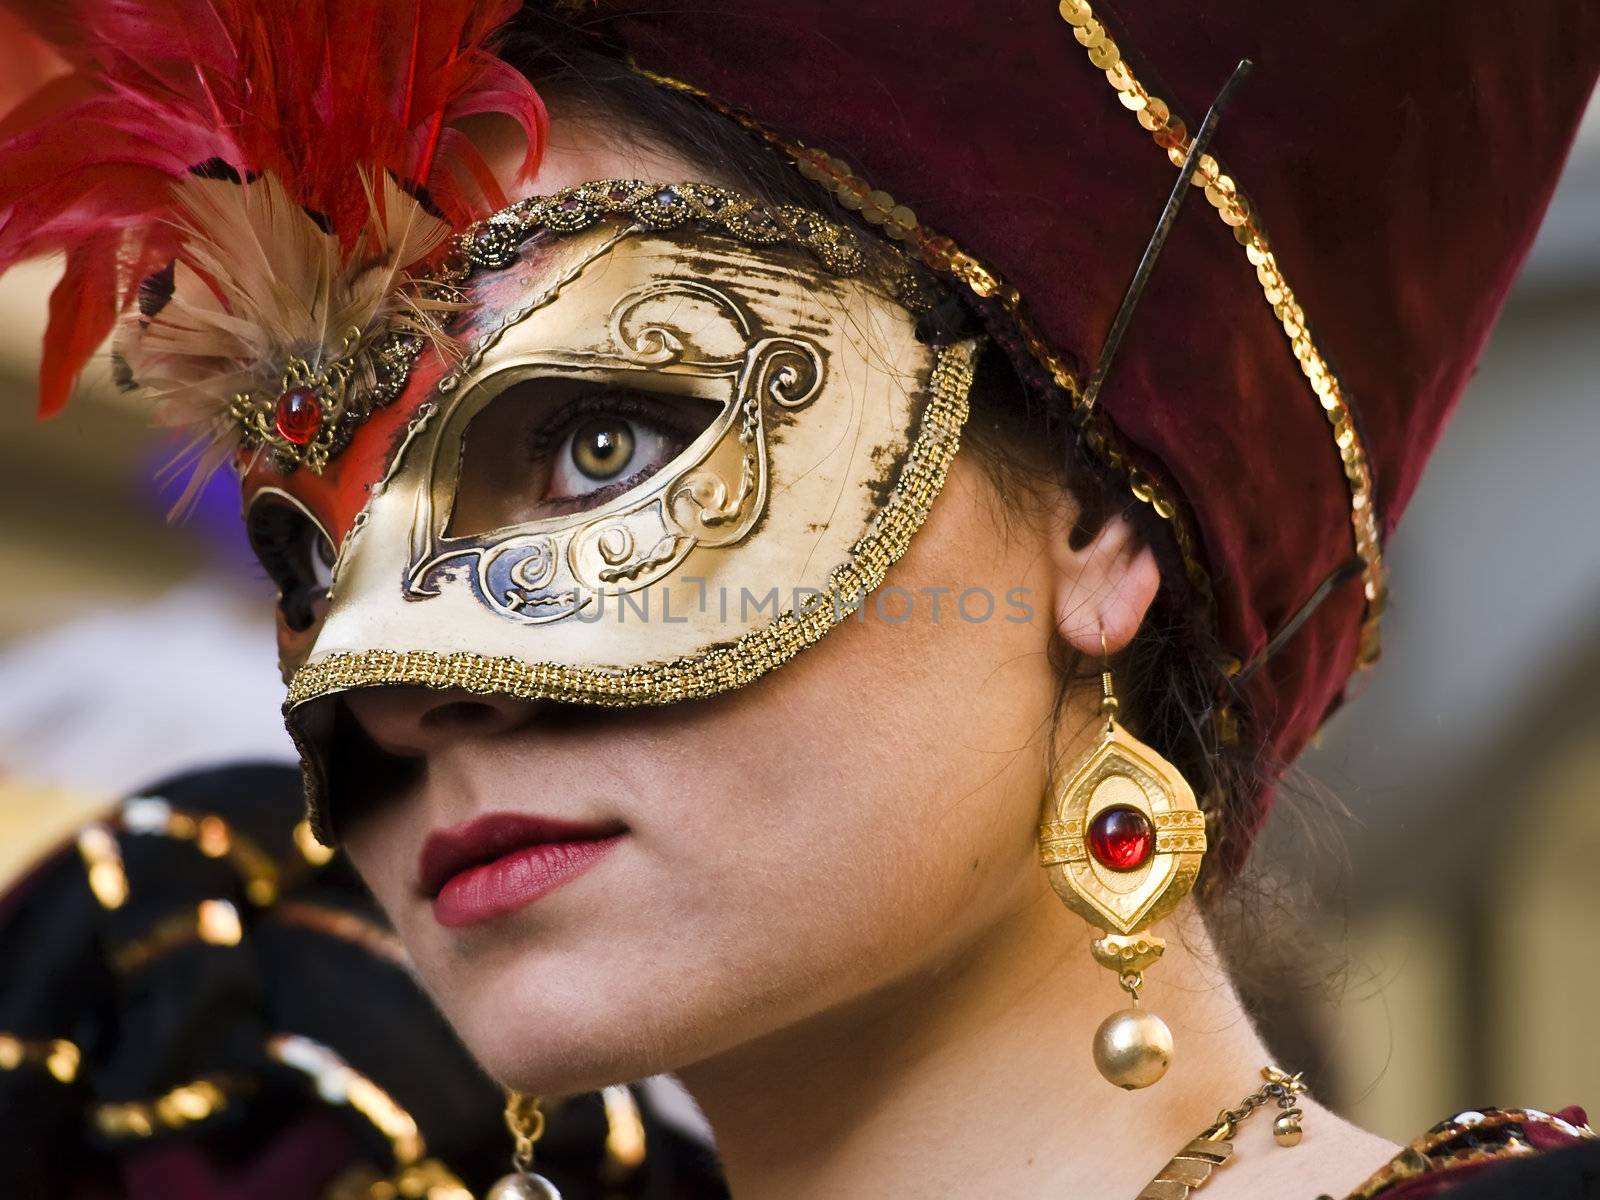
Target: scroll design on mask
(783,371)
(710,497)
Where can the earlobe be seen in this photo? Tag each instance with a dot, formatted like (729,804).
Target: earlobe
(1103,588)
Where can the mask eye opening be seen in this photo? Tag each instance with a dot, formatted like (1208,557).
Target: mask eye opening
(547,448)
(296,553)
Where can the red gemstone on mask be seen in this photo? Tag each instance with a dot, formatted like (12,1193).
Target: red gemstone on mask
(298,415)
(1121,838)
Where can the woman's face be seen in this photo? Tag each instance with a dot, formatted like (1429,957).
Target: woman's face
(860,816)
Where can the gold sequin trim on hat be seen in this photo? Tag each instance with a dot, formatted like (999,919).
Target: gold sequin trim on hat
(1168,131)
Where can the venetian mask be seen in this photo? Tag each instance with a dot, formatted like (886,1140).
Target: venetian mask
(675,437)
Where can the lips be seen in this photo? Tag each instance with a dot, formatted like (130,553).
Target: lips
(502,862)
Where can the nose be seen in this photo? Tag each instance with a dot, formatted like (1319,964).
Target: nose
(417,721)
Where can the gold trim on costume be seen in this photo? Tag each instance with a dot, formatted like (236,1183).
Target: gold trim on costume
(102,863)
(1423,1155)
(155,816)
(58,1057)
(213,922)
(193,1102)
(313,851)
(338,1082)
(344,926)
(625,1133)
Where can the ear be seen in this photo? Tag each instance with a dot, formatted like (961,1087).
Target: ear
(1103,588)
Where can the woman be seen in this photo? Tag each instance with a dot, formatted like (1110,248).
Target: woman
(712,590)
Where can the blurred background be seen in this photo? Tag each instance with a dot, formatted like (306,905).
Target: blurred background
(1469,760)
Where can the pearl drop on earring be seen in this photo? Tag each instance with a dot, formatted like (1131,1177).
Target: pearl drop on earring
(1133,1048)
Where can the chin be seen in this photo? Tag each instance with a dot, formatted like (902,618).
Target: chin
(562,1023)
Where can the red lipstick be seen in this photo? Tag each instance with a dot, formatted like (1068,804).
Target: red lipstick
(500,862)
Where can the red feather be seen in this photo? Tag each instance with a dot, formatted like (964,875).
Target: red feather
(83,309)
(319,93)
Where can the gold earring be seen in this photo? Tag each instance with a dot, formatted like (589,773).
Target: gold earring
(525,1120)
(1122,840)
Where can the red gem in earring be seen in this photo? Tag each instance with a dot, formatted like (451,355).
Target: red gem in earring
(1121,838)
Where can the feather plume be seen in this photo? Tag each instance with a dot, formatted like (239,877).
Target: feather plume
(260,282)
(295,162)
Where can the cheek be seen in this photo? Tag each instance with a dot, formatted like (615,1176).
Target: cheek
(869,811)
(899,812)
(870,808)
(382,845)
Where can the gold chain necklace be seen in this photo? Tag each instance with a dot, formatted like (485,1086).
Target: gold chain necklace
(1213,1146)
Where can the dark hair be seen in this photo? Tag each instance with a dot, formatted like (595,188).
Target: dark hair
(1169,680)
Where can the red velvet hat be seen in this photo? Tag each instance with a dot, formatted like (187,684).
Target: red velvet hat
(1375,186)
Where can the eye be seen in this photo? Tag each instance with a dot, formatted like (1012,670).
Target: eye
(603,443)
(546,448)
(297,556)
(606,449)
(600,449)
